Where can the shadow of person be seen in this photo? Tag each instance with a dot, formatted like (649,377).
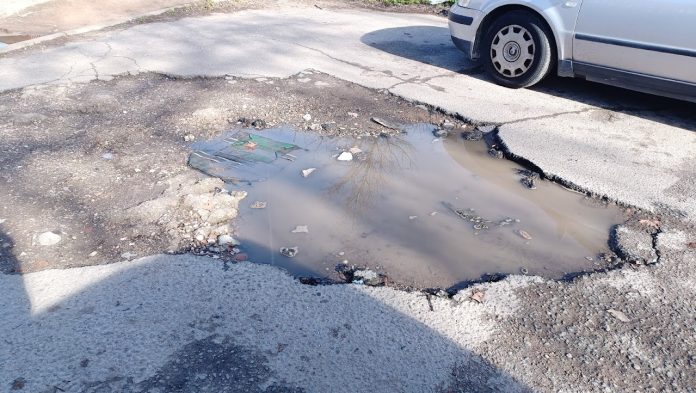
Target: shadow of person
(180,323)
(432,45)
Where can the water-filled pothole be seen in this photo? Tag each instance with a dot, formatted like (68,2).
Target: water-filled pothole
(428,212)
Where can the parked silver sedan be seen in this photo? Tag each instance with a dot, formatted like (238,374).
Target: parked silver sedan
(644,45)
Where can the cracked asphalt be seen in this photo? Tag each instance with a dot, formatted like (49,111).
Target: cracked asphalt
(170,323)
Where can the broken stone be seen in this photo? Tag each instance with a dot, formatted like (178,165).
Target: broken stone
(189,138)
(495,153)
(475,135)
(258,205)
(227,240)
(48,239)
(129,255)
(619,315)
(328,126)
(523,234)
(634,245)
(258,124)
(524,270)
(308,171)
(345,156)
(448,125)
(93,254)
(301,229)
(486,128)
(440,133)
(108,156)
(367,277)
(307,117)
(529,178)
(690,245)
(355,150)
(289,252)
(385,123)
(352,114)
(477,295)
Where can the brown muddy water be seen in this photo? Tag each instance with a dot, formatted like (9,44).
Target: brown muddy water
(391,209)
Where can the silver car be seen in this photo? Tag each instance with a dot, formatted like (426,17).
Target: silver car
(644,45)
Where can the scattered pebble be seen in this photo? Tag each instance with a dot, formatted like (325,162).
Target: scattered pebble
(48,239)
(619,315)
(307,117)
(477,295)
(301,229)
(308,171)
(258,205)
(524,234)
(189,138)
(129,255)
(227,240)
(289,252)
(345,156)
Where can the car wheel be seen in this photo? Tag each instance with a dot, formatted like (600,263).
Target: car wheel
(516,50)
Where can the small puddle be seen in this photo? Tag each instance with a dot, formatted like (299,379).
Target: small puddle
(6,40)
(393,208)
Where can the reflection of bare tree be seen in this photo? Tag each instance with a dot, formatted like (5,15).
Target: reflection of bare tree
(368,173)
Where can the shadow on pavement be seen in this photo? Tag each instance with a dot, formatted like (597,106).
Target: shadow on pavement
(188,324)
(432,45)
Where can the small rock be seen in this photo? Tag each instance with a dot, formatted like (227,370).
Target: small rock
(475,135)
(93,254)
(619,315)
(524,270)
(227,240)
(241,257)
(189,138)
(367,277)
(448,125)
(308,171)
(355,150)
(258,124)
(48,239)
(345,156)
(289,252)
(301,229)
(477,295)
(352,114)
(128,255)
(108,156)
(307,117)
(385,123)
(523,234)
(328,126)
(2,220)
(258,205)
(495,153)
(440,133)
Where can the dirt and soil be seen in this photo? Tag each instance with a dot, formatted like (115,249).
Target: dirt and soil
(103,165)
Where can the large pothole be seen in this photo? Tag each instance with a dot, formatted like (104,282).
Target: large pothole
(425,210)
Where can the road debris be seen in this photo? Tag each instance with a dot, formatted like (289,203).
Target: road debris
(653,223)
(477,295)
(48,239)
(474,135)
(307,117)
(523,234)
(440,133)
(301,229)
(529,178)
(691,245)
(258,205)
(495,153)
(227,240)
(385,123)
(619,315)
(289,252)
(479,223)
(345,156)
(308,171)
(129,255)
(412,217)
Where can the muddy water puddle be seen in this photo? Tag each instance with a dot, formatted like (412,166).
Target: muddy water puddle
(425,211)
(12,39)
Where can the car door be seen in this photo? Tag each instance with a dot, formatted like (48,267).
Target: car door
(649,37)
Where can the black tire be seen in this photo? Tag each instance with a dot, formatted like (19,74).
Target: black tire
(543,51)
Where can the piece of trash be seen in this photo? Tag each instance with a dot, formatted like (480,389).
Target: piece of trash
(250,145)
(308,171)
(129,255)
(289,252)
(524,234)
(355,150)
(412,217)
(307,117)
(48,239)
(385,123)
(345,156)
(619,315)
(300,229)
(477,295)
(258,205)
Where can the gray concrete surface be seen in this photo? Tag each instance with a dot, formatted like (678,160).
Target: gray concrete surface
(133,326)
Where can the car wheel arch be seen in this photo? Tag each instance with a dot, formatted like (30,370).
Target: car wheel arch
(491,16)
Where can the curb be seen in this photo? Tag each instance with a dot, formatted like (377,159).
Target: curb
(88,29)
